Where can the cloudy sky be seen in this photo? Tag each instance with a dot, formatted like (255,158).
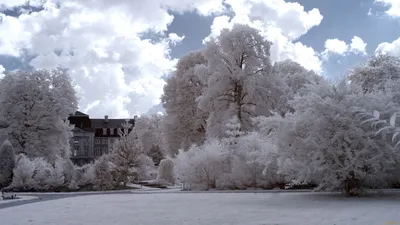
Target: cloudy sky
(119,51)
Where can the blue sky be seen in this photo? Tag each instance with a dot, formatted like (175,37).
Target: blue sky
(119,73)
(343,19)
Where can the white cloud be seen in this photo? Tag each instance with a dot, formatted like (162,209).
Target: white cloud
(394,7)
(116,72)
(335,46)
(358,45)
(1,71)
(341,48)
(389,48)
(174,38)
(280,22)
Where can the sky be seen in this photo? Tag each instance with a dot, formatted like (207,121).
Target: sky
(120,52)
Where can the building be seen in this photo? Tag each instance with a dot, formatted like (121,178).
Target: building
(93,137)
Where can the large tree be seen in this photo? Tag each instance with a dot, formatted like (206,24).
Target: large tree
(127,155)
(150,131)
(34,112)
(184,122)
(239,79)
(296,78)
(376,72)
(326,145)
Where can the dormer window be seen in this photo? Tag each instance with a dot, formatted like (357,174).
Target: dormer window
(104,131)
(111,131)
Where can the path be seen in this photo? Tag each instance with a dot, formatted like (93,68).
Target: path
(54,196)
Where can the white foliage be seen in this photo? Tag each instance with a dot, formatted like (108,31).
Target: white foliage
(102,176)
(248,163)
(34,109)
(127,155)
(296,79)
(185,122)
(201,166)
(23,174)
(87,175)
(147,169)
(150,131)
(166,171)
(240,81)
(376,72)
(237,161)
(326,145)
(36,174)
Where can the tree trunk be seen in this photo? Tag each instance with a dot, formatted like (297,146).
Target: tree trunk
(352,186)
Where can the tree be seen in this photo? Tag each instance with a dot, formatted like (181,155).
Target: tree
(127,155)
(296,78)
(156,154)
(36,174)
(326,145)
(151,136)
(239,79)
(184,122)
(34,112)
(103,179)
(166,171)
(376,72)
(201,167)
(7,164)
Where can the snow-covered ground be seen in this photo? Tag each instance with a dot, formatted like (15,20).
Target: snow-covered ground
(19,199)
(208,209)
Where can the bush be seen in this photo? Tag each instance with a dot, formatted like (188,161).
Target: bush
(7,164)
(36,175)
(166,171)
(201,166)
(103,179)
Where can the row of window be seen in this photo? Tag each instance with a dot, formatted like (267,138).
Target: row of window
(85,152)
(112,131)
(100,151)
(86,140)
(103,141)
(97,151)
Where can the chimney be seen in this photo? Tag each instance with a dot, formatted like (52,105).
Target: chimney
(106,119)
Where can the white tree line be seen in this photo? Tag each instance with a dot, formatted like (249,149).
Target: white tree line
(234,120)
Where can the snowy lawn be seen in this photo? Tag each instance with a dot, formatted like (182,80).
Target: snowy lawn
(208,209)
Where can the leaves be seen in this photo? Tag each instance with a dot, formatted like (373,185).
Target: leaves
(393,119)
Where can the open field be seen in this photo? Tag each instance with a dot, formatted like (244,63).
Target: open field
(299,208)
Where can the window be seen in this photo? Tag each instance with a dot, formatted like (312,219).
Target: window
(97,151)
(104,131)
(111,131)
(98,141)
(76,150)
(104,141)
(76,140)
(105,150)
(86,150)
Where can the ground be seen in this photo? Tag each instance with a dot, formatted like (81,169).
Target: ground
(173,208)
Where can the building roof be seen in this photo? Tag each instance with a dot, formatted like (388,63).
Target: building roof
(79,113)
(112,123)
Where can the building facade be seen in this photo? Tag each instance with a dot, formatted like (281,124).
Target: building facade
(93,137)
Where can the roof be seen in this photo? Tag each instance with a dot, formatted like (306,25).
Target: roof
(79,113)
(112,123)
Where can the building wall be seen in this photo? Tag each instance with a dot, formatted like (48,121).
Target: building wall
(82,147)
(93,137)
